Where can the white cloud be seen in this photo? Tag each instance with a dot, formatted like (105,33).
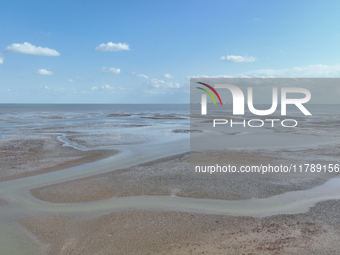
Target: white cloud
(155,83)
(238,59)
(141,75)
(70,80)
(173,85)
(168,76)
(110,70)
(46,87)
(310,71)
(28,48)
(207,76)
(154,92)
(1,59)
(110,46)
(44,72)
(108,89)
(106,86)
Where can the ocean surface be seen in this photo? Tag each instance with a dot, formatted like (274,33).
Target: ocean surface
(130,124)
(98,126)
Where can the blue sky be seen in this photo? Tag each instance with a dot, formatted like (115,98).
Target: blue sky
(152,47)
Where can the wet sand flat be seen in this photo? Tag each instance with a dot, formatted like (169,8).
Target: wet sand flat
(41,154)
(3,202)
(171,177)
(154,232)
(87,225)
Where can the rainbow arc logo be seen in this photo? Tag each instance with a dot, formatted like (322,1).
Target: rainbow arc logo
(209,93)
